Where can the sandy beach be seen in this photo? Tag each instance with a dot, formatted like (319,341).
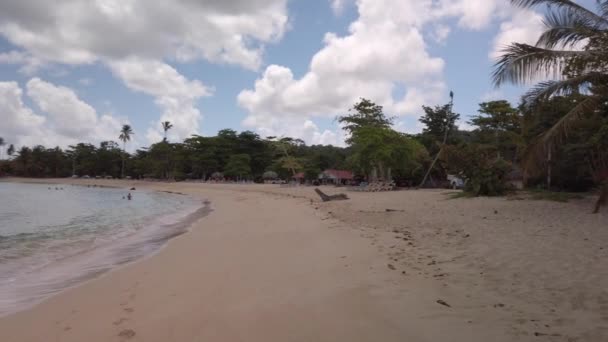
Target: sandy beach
(276,264)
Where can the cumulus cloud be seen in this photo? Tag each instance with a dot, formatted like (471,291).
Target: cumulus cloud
(172,92)
(134,38)
(524,26)
(384,57)
(384,50)
(64,119)
(83,31)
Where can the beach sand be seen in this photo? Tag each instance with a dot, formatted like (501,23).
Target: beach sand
(275,264)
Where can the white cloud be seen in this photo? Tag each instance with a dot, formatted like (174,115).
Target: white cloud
(84,31)
(384,50)
(135,37)
(66,120)
(19,123)
(172,92)
(524,26)
(440,33)
(29,64)
(384,53)
(338,5)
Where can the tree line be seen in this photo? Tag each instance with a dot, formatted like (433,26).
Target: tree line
(556,137)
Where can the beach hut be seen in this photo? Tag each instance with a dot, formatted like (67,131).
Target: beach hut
(337,177)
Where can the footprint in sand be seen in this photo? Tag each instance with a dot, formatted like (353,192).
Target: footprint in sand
(127,333)
(120,321)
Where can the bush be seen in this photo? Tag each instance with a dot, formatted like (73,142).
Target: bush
(483,172)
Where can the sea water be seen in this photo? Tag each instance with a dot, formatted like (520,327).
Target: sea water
(55,236)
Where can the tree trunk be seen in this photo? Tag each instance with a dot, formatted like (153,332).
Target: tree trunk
(549,169)
(124,151)
(428,172)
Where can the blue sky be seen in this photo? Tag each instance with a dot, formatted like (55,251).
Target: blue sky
(77,70)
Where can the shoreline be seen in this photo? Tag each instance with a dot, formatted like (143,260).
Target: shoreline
(153,243)
(289,267)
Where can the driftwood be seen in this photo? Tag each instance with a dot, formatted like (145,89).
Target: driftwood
(327,198)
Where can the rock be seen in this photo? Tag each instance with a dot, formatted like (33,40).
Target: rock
(391,267)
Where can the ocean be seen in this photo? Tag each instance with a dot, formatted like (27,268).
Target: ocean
(53,237)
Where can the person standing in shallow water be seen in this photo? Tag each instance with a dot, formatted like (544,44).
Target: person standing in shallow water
(129,196)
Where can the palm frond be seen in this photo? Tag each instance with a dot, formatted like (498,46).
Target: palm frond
(603,8)
(544,90)
(566,28)
(563,4)
(522,63)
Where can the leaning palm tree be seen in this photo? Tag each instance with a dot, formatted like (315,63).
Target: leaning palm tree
(572,54)
(166,127)
(125,135)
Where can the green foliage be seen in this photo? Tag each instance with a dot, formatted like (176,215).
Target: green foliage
(364,114)
(558,52)
(499,124)
(383,148)
(291,163)
(311,173)
(484,174)
(573,163)
(239,165)
(438,121)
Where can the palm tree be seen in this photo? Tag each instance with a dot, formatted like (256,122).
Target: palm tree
(573,54)
(2,143)
(166,126)
(11,150)
(125,135)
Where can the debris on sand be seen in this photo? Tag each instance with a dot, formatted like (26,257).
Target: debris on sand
(443,302)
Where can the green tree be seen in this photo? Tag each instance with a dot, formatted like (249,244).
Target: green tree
(384,150)
(578,70)
(439,123)
(239,165)
(364,113)
(485,175)
(498,123)
(125,135)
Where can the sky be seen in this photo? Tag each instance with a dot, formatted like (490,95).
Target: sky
(77,70)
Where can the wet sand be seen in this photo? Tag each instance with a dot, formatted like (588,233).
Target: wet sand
(275,264)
